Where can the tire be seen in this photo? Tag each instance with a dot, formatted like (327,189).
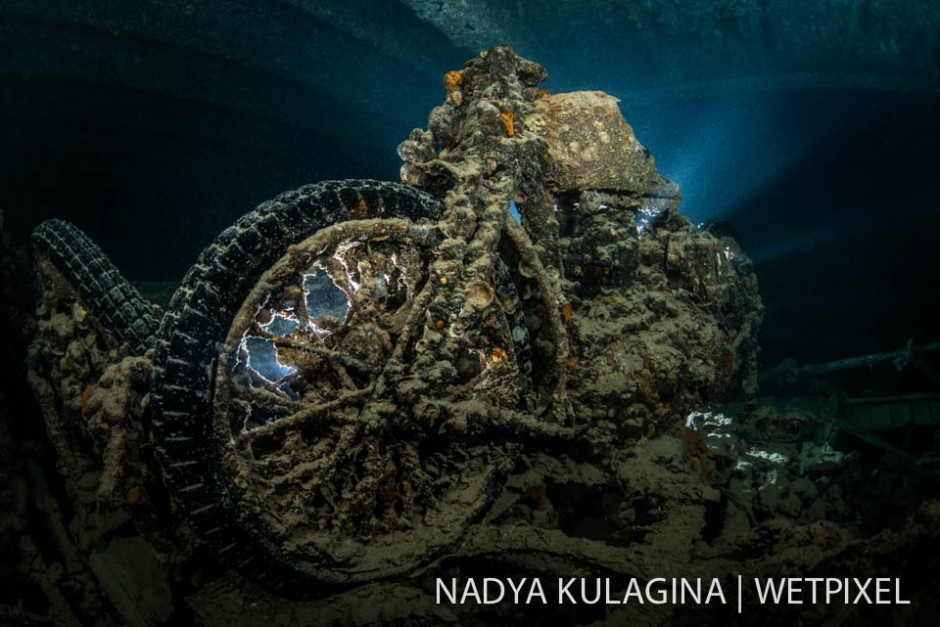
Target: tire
(194,407)
(113,301)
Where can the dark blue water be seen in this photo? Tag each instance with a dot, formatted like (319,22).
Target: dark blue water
(833,195)
(153,143)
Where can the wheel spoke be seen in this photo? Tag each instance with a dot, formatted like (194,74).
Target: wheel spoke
(323,440)
(322,413)
(335,358)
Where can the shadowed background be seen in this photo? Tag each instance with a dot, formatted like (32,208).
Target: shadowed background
(809,126)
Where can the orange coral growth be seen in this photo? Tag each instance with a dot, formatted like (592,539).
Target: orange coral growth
(508,121)
(133,496)
(358,212)
(85,396)
(499,355)
(645,389)
(448,145)
(696,453)
(453,79)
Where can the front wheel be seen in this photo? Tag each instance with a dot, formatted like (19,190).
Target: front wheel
(284,410)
